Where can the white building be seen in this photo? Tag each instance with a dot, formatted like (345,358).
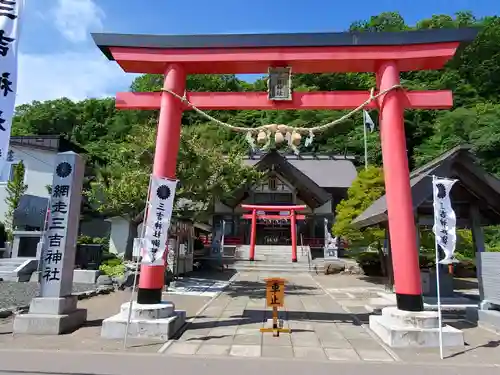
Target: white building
(38,153)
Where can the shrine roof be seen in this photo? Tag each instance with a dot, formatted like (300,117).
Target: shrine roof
(474,185)
(327,171)
(343,39)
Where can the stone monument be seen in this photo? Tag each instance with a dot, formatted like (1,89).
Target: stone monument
(55,310)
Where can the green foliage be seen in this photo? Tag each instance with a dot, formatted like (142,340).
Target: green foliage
(112,267)
(124,139)
(112,270)
(87,240)
(365,189)
(15,190)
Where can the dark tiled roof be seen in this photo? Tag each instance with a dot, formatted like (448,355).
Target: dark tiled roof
(47,142)
(421,184)
(325,170)
(104,40)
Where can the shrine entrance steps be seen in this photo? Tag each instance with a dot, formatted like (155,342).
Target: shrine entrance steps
(275,258)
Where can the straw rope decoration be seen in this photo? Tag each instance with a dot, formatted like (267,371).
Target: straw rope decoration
(281,132)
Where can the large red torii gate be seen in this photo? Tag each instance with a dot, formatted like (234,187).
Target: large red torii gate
(385,54)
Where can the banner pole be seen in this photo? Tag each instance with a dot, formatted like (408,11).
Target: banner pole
(438,291)
(365,136)
(137,263)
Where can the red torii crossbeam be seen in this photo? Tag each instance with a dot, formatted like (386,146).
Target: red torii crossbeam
(441,99)
(385,54)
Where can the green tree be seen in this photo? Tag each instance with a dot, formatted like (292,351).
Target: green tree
(15,190)
(365,189)
(205,174)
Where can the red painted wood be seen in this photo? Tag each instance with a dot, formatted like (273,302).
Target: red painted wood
(165,160)
(439,99)
(397,187)
(273,217)
(293,230)
(301,59)
(253,235)
(272,208)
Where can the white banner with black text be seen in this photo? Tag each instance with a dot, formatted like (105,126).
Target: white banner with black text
(10,15)
(158,216)
(445,221)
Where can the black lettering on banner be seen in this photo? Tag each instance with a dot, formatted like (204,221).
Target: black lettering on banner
(55,240)
(442,214)
(274,299)
(444,239)
(443,222)
(157,234)
(6,84)
(4,43)
(158,225)
(159,216)
(155,243)
(57,223)
(7,9)
(2,121)
(51,274)
(60,207)
(60,191)
(275,287)
(53,257)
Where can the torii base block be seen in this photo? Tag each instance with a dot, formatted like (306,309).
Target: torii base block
(413,329)
(152,321)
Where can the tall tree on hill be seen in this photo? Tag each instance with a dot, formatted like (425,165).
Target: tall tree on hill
(16,188)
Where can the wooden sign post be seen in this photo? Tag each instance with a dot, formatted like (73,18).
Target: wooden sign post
(275,297)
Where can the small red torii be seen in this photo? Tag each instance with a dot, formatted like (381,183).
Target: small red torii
(292,216)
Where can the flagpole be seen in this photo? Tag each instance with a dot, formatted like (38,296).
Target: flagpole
(438,292)
(137,264)
(366,142)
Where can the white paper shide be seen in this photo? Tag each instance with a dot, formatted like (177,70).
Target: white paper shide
(159,213)
(10,13)
(445,220)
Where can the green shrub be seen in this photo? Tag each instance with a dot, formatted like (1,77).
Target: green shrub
(87,240)
(112,270)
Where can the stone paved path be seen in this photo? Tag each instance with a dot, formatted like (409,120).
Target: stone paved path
(321,328)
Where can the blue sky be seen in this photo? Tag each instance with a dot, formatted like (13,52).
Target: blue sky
(58,58)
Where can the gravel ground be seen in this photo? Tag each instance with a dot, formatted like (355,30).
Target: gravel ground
(18,294)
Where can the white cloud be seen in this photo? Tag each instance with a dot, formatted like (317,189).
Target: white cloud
(75,75)
(75,19)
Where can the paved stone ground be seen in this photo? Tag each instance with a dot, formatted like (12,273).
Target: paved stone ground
(482,346)
(81,363)
(87,338)
(190,286)
(321,328)
(13,294)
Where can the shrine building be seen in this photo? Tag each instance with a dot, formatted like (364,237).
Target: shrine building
(317,182)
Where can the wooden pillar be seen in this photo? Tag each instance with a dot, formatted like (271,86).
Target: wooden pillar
(398,192)
(168,137)
(477,229)
(253,234)
(293,230)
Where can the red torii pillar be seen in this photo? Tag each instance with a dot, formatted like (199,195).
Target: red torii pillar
(398,191)
(165,162)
